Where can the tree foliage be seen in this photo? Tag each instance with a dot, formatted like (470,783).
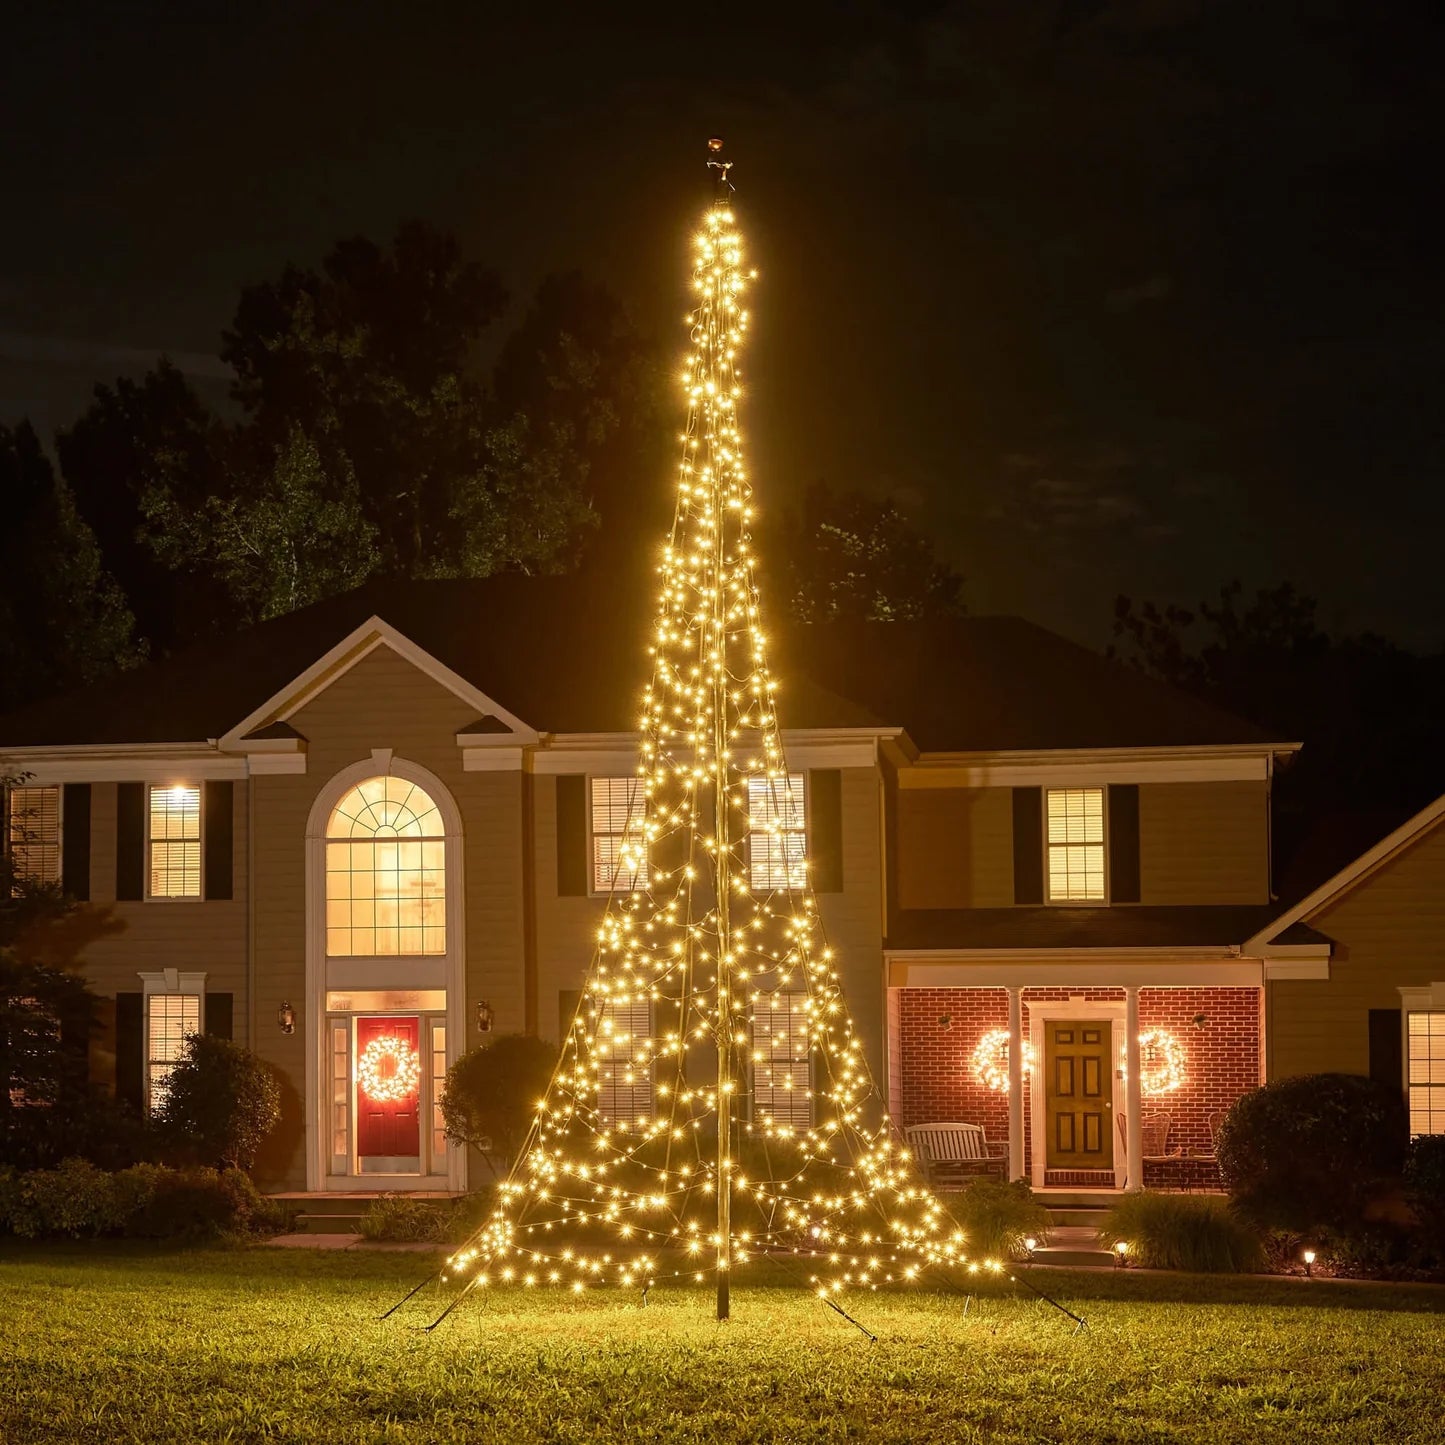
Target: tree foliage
(63,619)
(221,1102)
(847,556)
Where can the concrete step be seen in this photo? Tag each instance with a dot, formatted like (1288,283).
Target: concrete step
(1075,1245)
(1077,1217)
(329,1223)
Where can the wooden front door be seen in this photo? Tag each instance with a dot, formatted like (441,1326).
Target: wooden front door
(1078,1094)
(389,1074)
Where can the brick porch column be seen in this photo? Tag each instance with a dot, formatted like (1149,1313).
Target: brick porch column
(1016,1166)
(1133,1095)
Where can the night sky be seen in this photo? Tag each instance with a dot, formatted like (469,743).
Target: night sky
(1112,297)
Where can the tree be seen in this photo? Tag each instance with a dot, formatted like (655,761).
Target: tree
(848,556)
(221,1102)
(63,620)
(492,1092)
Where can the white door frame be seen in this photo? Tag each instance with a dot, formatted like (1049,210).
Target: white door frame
(1041,1011)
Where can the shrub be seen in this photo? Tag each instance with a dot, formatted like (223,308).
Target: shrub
(1183,1231)
(221,1102)
(189,1204)
(400,1220)
(996,1218)
(73,1200)
(9,1197)
(1307,1153)
(492,1092)
(1425,1180)
(468,1214)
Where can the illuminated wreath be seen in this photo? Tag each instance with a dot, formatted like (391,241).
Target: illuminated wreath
(990,1060)
(388,1070)
(1161,1062)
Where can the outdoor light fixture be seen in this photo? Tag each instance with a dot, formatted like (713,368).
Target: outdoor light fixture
(945,1022)
(1309,1259)
(1199,1020)
(1030,1245)
(1121,1252)
(286,1018)
(485,1016)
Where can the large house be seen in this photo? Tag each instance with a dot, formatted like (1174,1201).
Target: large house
(396,814)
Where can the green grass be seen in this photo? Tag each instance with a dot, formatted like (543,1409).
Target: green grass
(131,1344)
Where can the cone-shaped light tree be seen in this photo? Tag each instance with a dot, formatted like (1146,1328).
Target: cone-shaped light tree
(712,1103)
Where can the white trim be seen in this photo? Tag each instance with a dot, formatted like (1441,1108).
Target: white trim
(1158,973)
(1287,968)
(1104,843)
(1352,873)
(1040,1011)
(341,658)
(147,863)
(318,971)
(1163,953)
(266,764)
(201,767)
(1422,998)
(1074,767)
(492,759)
(161,983)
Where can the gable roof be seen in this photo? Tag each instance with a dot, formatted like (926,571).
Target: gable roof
(1354,872)
(568,655)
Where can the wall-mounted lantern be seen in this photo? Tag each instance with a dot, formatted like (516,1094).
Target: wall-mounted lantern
(485,1017)
(286,1018)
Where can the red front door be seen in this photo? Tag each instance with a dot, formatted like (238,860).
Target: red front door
(388,1089)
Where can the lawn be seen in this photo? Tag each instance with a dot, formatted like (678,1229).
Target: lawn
(112,1344)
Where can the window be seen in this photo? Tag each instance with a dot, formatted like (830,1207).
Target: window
(34,833)
(385,872)
(175,841)
(438,1092)
(619,849)
(1425,1071)
(1076,845)
(782,1066)
(171,1018)
(777,838)
(622,1051)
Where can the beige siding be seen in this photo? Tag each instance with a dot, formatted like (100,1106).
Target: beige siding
(955,847)
(385,702)
(1389,933)
(1203,843)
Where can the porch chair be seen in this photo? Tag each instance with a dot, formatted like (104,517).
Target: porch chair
(954,1151)
(1215,1120)
(1155,1128)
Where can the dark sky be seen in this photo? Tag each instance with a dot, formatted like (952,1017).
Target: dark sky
(1134,296)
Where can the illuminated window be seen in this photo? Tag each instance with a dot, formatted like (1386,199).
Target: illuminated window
(623,1053)
(34,833)
(777,838)
(1076,845)
(438,1092)
(385,872)
(171,1018)
(782,1066)
(1425,1071)
(175,841)
(619,849)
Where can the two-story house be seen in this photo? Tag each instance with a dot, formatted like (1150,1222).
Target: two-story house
(397,814)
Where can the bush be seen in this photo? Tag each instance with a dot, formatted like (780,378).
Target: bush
(1425,1181)
(189,1204)
(9,1197)
(77,1124)
(71,1201)
(996,1218)
(492,1092)
(399,1220)
(221,1102)
(1307,1153)
(1183,1231)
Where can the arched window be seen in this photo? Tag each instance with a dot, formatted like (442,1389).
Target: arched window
(385,872)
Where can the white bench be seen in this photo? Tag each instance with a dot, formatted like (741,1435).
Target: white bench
(948,1151)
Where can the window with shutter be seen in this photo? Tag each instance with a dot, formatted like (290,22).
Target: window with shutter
(619,846)
(624,1061)
(173,841)
(34,833)
(782,1062)
(777,832)
(1075,844)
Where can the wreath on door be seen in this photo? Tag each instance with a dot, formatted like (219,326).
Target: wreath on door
(388,1070)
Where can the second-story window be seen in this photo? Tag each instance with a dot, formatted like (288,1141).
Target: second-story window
(34,833)
(619,847)
(777,832)
(1075,844)
(174,841)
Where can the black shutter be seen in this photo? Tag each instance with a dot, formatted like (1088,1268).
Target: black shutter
(1124,843)
(1387,1061)
(130,801)
(75,840)
(825,828)
(218,1015)
(572,849)
(1028,845)
(220,802)
(130,1048)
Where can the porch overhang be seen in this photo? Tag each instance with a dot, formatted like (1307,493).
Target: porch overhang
(1073,968)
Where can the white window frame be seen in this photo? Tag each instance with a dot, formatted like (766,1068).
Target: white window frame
(1103,790)
(200,895)
(1427,999)
(593,835)
(804,776)
(617,1100)
(9,839)
(801,1113)
(167,982)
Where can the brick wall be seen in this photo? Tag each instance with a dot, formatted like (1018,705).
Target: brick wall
(932,1074)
